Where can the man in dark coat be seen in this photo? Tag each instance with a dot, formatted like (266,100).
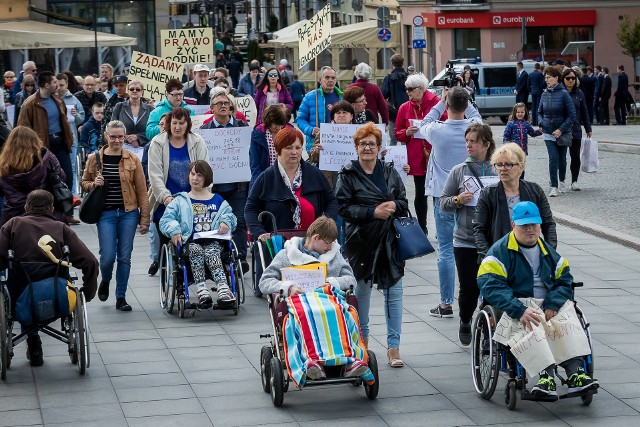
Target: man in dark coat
(605,95)
(588,86)
(394,91)
(598,94)
(536,85)
(620,97)
(88,96)
(522,84)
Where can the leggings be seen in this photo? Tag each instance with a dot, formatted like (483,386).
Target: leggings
(467,266)
(574,153)
(208,253)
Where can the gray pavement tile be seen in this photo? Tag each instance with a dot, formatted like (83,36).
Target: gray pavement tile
(200,419)
(121,422)
(141,368)
(199,341)
(371,421)
(453,417)
(119,356)
(82,414)
(604,405)
(232,388)
(74,385)
(125,346)
(191,331)
(237,416)
(148,380)
(162,407)
(416,387)
(18,403)
(406,404)
(354,409)
(26,417)
(237,362)
(259,400)
(455,359)
(598,422)
(146,394)
(215,376)
(123,336)
(84,398)
(623,391)
(17,389)
(204,352)
(526,411)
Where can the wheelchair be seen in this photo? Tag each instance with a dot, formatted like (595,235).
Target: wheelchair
(175,273)
(489,359)
(273,371)
(74,330)
(81,161)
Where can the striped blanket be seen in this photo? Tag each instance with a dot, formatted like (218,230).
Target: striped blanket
(321,327)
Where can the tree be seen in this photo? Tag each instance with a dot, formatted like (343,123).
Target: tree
(629,38)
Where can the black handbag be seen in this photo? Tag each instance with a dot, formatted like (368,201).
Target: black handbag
(565,140)
(93,203)
(62,196)
(412,242)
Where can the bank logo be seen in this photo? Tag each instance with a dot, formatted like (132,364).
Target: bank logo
(497,20)
(441,20)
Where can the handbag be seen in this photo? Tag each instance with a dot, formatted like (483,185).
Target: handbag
(564,140)
(93,203)
(62,196)
(412,242)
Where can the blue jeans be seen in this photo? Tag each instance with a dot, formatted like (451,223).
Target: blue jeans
(446,262)
(72,156)
(116,230)
(154,242)
(557,162)
(392,310)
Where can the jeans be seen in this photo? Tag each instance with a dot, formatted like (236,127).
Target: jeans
(467,266)
(116,230)
(72,156)
(535,102)
(557,162)
(237,199)
(446,265)
(420,202)
(59,149)
(392,310)
(154,242)
(574,154)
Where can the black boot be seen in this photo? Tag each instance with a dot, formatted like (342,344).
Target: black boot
(34,350)
(103,291)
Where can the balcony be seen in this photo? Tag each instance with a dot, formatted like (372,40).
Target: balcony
(451,5)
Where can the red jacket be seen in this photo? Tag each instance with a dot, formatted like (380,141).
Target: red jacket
(415,147)
(375,100)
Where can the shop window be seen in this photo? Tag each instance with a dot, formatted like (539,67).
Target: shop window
(467,43)
(352,56)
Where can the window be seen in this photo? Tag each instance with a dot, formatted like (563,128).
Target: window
(359,18)
(351,57)
(500,77)
(383,58)
(467,43)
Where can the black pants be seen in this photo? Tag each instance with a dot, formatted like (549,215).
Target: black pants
(467,266)
(237,199)
(574,154)
(420,202)
(604,111)
(296,105)
(58,147)
(596,112)
(535,102)
(620,110)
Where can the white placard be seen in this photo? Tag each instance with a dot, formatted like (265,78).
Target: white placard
(306,280)
(188,45)
(470,183)
(200,110)
(247,106)
(315,35)
(418,134)
(212,234)
(198,120)
(338,146)
(136,151)
(153,72)
(70,117)
(11,111)
(398,155)
(228,153)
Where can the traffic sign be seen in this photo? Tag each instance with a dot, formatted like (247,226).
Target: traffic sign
(419,44)
(418,21)
(419,33)
(383,11)
(384,35)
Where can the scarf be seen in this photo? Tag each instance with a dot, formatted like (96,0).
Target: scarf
(361,118)
(272,148)
(293,186)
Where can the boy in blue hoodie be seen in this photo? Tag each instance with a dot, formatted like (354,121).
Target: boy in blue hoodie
(90,133)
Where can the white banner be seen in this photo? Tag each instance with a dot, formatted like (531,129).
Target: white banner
(338,147)
(247,106)
(315,35)
(198,121)
(153,72)
(398,155)
(228,153)
(188,46)
(199,110)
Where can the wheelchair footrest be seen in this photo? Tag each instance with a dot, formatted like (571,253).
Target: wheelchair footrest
(527,395)
(226,306)
(582,393)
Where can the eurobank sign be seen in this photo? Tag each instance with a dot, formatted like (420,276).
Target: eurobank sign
(556,18)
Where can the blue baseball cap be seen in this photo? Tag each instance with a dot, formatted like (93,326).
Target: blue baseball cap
(526,213)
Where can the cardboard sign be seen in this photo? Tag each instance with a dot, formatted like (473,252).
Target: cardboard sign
(471,185)
(307,277)
(153,72)
(337,145)
(198,120)
(398,155)
(416,123)
(315,35)
(188,46)
(136,151)
(228,153)
(247,106)
(11,111)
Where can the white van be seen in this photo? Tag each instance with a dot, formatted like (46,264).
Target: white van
(495,82)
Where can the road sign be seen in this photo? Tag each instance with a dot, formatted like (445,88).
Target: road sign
(419,44)
(384,17)
(418,21)
(383,11)
(419,38)
(384,35)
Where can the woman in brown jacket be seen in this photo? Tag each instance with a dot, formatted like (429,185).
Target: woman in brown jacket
(126,207)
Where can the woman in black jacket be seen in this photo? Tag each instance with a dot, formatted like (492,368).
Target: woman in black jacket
(582,118)
(371,194)
(134,113)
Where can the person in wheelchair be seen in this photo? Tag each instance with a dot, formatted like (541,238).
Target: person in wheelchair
(191,219)
(523,265)
(320,245)
(23,234)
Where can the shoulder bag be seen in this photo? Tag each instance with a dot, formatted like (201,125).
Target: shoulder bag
(93,203)
(62,196)
(412,242)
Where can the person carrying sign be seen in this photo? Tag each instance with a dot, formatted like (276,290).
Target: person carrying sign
(174,99)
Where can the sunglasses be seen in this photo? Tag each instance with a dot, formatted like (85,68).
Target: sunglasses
(272,75)
(411,89)
(569,78)
(135,89)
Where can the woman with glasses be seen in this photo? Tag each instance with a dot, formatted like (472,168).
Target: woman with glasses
(355,95)
(262,151)
(571,82)
(420,102)
(495,205)
(371,194)
(271,91)
(174,99)
(28,88)
(134,113)
(126,208)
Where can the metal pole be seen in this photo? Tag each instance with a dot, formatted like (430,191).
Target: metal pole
(95,35)
(316,77)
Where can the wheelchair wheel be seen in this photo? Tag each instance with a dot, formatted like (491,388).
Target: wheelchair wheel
(181,306)
(586,400)
(79,171)
(266,354)
(484,354)
(372,390)
(4,342)
(239,281)
(510,395)
(168,274)
(81,331)
(277,382)
(164,295)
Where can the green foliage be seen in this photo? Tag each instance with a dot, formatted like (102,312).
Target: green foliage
(629,36)
(254,51)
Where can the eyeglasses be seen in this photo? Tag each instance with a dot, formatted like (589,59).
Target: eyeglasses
(222,104)
(360,101)
(116,137)
(29,85)
(410,89)
(137,89)
(9,77)
(366,144)
(177,95)
(569,78)
(505,166)
(272,75)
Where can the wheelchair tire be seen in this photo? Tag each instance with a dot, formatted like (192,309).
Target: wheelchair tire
(372,390)
(4,341)
(164,296)
(181,306)
(484,355)
(277,382)
(266,354)
(510,395)
(170,276)
(239,281)
(82,333)
(586,400)
(79,171)
(71,339)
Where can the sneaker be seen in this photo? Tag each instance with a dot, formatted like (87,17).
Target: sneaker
(546,386)
(581,381)
(441,311)
(354,369)
(204,297)
(553,192)
(225,296)
(103,291)
(153,268)
(562,188)
(34,350)
(76,202)
(574,186)
(464,333)
(315,371)
(121,304)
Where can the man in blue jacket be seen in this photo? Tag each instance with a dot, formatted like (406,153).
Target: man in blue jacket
(536,86)
(522,265)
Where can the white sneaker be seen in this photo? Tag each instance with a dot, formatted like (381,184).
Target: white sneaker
(562,188)
(553,192)
(574,186)
(204,297)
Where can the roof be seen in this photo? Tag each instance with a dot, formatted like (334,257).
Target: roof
(40,35)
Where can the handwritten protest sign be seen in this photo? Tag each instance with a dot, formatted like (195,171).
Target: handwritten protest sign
(416,123)
(188,46)
(197,121)
(307,277)
(470,184)
(11,111)
(153,72)
(398,155)
(338,147)
(228,153)
(136,151)
(552,342)
(315,35)
(200,109)
(247,106)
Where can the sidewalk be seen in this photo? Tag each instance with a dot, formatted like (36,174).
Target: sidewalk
(154,369)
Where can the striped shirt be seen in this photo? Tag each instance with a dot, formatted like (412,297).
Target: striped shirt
(111,175)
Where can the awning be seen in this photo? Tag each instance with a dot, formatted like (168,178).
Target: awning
(40,35)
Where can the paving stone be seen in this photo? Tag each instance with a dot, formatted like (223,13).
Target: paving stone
(25,417)
(453,417)
(200,419)
(162,407)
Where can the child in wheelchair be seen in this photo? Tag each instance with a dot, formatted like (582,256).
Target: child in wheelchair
(521,267)
(195,219)
(307,346)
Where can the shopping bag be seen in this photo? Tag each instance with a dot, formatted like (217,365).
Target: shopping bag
(589,156)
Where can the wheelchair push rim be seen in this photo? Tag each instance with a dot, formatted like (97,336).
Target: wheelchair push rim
(484,355)
(81,332)
(4,343)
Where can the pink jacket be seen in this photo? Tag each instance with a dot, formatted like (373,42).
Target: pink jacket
(375,100)
(415,147)
(284,97)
